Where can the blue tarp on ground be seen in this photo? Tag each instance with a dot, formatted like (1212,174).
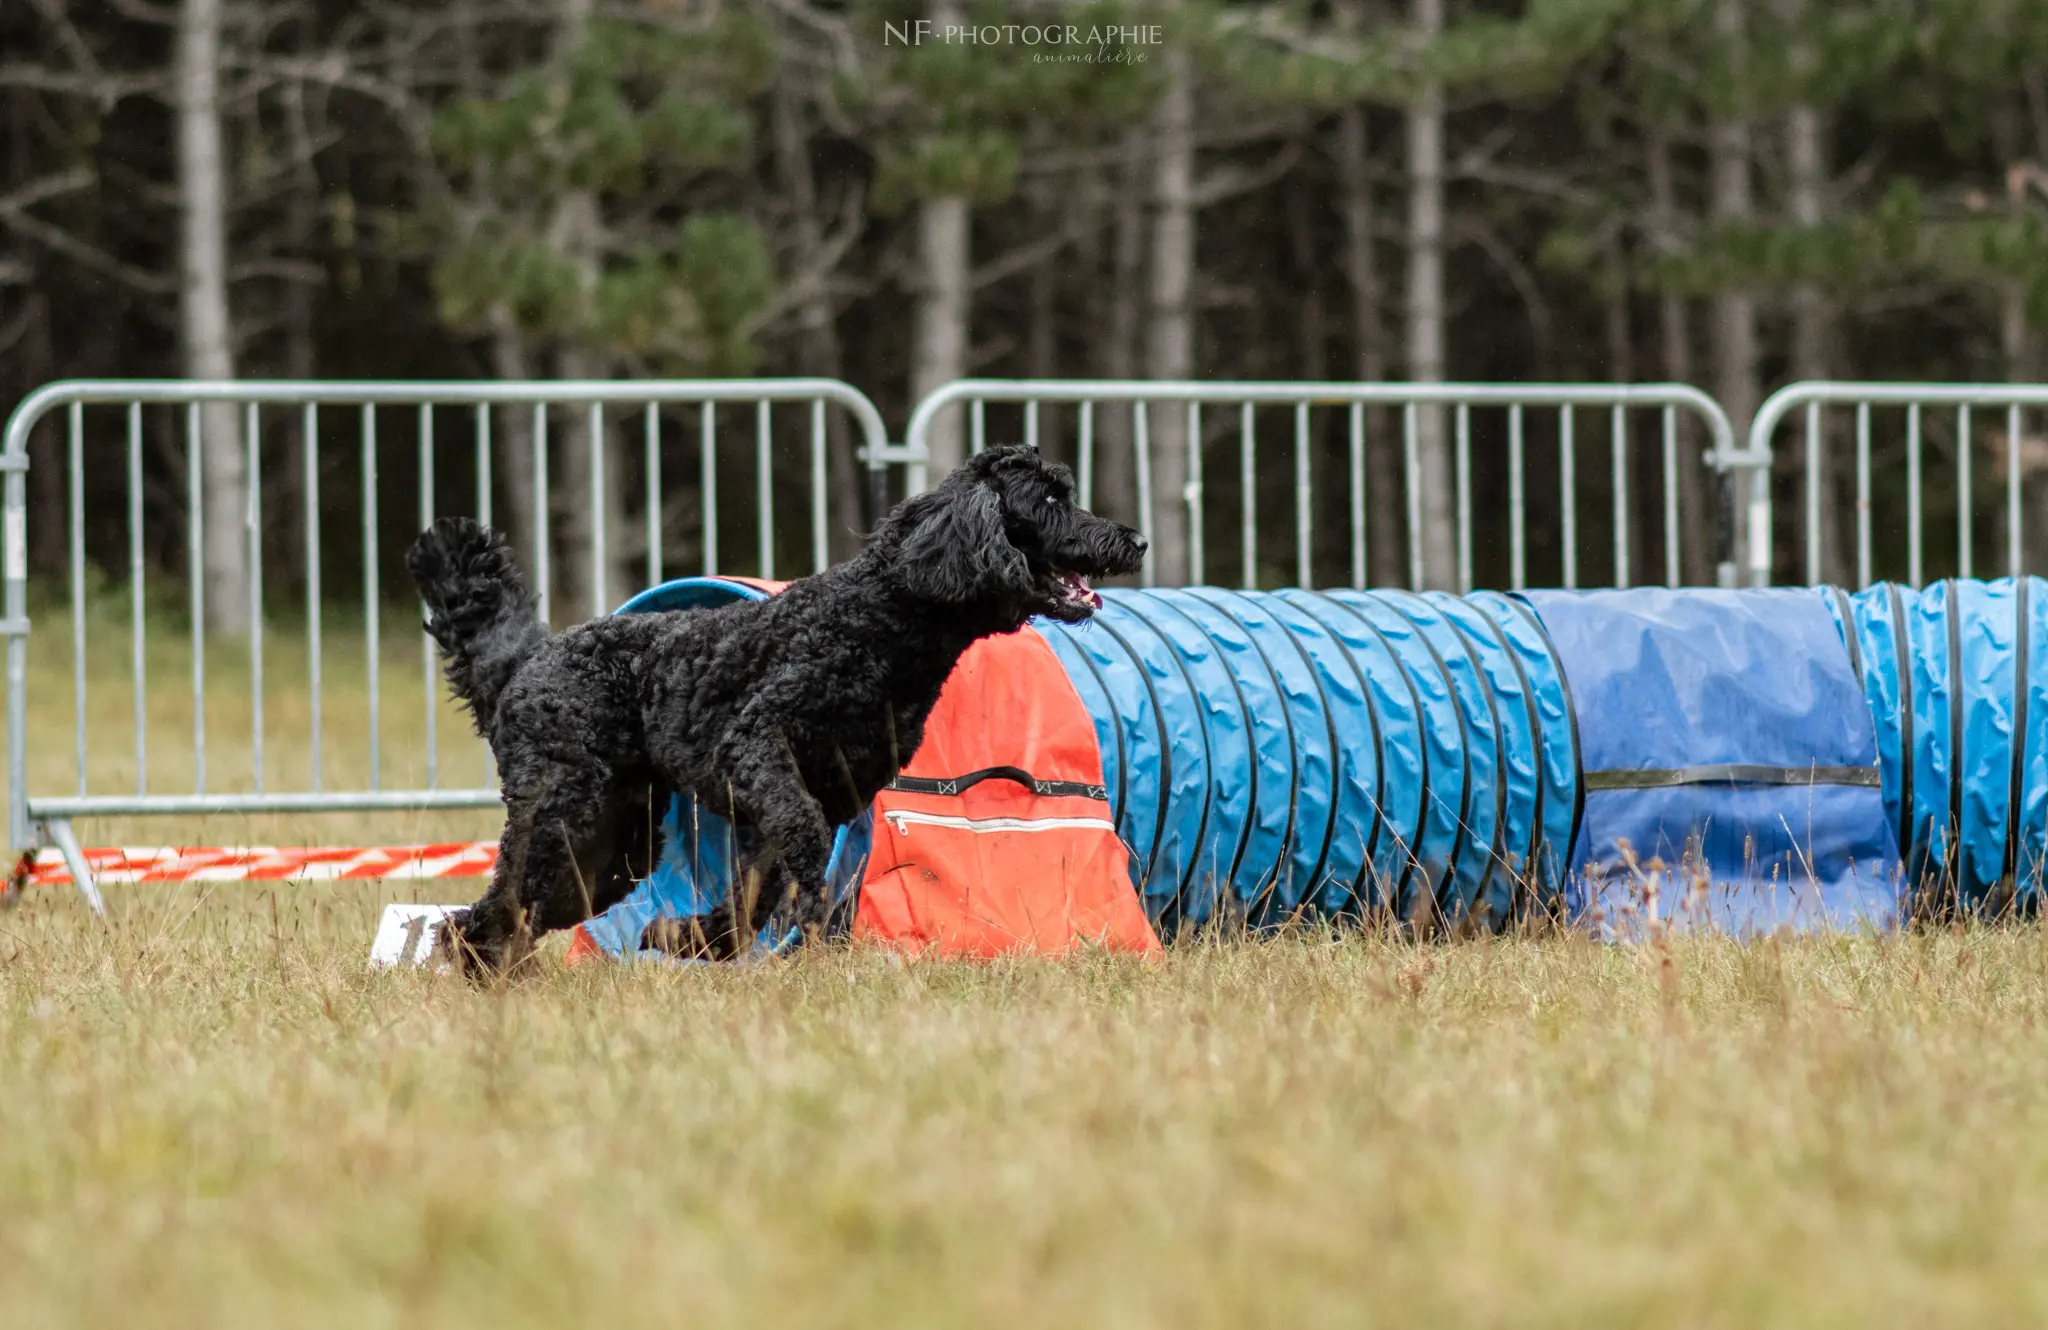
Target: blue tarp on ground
(1729,761)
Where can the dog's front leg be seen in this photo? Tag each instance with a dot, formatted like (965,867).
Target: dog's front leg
(795,841)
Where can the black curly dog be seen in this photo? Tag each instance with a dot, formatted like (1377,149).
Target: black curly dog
(787,715)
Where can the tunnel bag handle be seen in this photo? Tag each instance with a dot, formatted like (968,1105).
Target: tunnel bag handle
(1051,789)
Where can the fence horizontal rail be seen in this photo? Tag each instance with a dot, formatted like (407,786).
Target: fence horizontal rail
(330,801)
(1927,409)
(219,429)
(1177,466)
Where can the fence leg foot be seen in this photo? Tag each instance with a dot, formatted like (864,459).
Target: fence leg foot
(74,859)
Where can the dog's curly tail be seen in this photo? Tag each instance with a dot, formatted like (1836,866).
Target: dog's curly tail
(478,610)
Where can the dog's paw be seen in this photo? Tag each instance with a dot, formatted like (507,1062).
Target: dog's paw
(698,937)
(468,945)
(453,949)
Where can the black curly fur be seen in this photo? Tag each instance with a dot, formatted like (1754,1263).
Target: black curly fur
(787,715)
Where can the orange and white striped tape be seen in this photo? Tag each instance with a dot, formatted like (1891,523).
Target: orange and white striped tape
(130,864)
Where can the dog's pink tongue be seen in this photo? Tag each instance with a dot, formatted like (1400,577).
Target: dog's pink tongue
(1079,590)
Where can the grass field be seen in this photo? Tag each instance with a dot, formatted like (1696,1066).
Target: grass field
(215,1116)
(212,1115)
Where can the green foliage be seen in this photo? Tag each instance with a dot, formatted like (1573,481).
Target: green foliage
(579,219)
(950,115)
(982,166)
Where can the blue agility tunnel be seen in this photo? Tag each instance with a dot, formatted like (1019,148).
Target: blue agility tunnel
(1743,760)
(1740,760)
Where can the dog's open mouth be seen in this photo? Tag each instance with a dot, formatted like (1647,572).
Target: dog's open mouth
(1075,593)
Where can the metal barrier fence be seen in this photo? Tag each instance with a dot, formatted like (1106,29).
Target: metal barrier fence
(1357,400)
(37,818)
(1966,401)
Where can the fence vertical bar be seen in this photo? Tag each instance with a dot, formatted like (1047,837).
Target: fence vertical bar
(1248,486)
(1141,435)
(821,547)
(371,627)
(1518,503)
(1197,540)
(1357,460)
(1863,569)
(1086,458)
(1963,478)
(483,515)
(1031,425)
(1304,501)
(427,678)
(977,415)
(707,484)
(2012,489)
(1617,436)
(137,624)
(195,555)
(483,463)
(1463,417)
(1913,541)
(1813,464)
(1568,498)
(651,466)
(76,436)
(1674,571)
(1411,482)
(543,561)
(309,465)
(600,507)
(14,488)
(252,526)
(764,485)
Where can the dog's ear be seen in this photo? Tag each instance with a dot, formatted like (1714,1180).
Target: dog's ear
(958,551)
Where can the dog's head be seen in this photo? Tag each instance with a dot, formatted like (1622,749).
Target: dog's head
(1004,532)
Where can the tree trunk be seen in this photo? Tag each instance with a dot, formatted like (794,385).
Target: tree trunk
(945,253)
(1813,335)
(583,582)
(1301,241)
(817,338)
(1116,483)
(301,360)
(942,327)
(1697,484)
(204,322)
(512,443)
(1330,473)
(1369,339)
(1170,318)
(2013,337)
(1621,343)
(1042,350)
(35,363)
(1736,375)
(1426,359)
(574,233)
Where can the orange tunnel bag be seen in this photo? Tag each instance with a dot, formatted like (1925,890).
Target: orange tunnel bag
(998,837)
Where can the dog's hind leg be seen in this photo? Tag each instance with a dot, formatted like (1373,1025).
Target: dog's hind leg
(560,859)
